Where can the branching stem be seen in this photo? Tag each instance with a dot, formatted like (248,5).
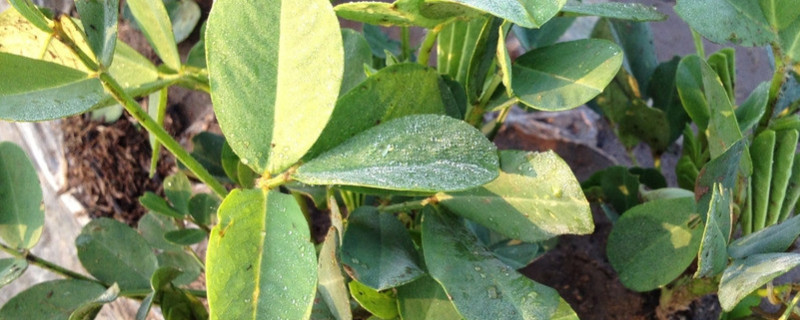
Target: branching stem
(169,143)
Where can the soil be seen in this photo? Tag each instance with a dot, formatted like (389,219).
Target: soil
(109,163)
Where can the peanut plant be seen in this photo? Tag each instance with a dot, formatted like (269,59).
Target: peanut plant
(428,219)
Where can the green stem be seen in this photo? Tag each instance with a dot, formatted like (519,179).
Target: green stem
(47,265)
(276,181)
(194,78)
(169,143)
(505,109)
(790,308)
(405,44)
(427,45)
(408,205)
(778,78)
(139,294)
(475,115)
(698,44)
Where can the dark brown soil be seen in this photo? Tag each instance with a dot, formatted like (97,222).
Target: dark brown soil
(578,269)
(108,166)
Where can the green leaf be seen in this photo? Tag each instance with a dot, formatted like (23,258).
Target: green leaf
(179,304)
(144,308)
(564,312)
(138,76)
(11,269)
(230,163)
(184,15)
(357,53)
(189,266)
(615,10)
(514,253)
(503,58)
(549,79)
(395,91)
(415,153)
(379,42)
(636,41)
(52,300)
(153,227)
(723,170)
(619,187)
(775,238)
(260,263)
(99,19)
(31,13)
(723,62)
(101,245)
(740,22)
(262,121)
(207,149)
(332,283)
(653,243)
(382,305)
(403,13)
(482,58)
(425,299)
(152,18)
(706,101)
(713,256)
(689,81)
(749,113)
(480,286)
(747,275)
(789,38)
(185,237)
(377,250)
(536,197)
(779,13)
(178,190)
(163,277)
(21,207)
(89,310)
(528,14)
(197,56)
(456,46)
(154,203)
(34,90)
(666,98)
(203,207)
(546,35)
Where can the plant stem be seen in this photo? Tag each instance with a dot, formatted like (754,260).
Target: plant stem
(698,44)
(194,78)
(408,205)
(47,265)
(276,181)
(505,109)
(169,143)
(790,307)
(778,78)
(139,294)
(427,45)
(475,115)
(405,44)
